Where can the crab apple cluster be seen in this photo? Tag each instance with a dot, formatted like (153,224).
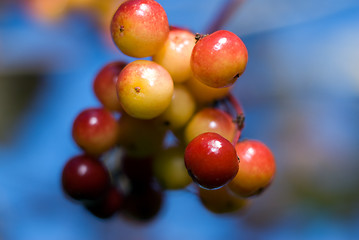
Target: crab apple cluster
(165,123)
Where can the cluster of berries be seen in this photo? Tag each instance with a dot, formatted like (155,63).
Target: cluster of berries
(165,123)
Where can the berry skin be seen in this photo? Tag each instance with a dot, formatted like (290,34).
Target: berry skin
(169,168)
(95,130)
(211,160)
(145,89)
(221,200)
(203,93)
(138,137)
(143,203)
(256,168)
(138,170)
(219,59)
(176,53)
(180,109)
(139,28)
(108,205)
(85,178)
(104,85)
(210,120)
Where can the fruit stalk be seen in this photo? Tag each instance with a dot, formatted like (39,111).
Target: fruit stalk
(229,9)
(239,120)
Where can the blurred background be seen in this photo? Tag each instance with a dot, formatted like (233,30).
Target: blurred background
(300,93)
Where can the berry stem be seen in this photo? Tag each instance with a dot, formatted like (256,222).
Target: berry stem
(239,116)
(228,10)
(199,36)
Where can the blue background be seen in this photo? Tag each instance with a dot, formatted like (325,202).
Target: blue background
(300,93)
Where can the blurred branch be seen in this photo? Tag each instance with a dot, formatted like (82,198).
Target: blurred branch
(230,7)
(17,90)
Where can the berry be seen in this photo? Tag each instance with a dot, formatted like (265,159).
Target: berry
(85,178)
(138,137)
(256,168)
(143,203)
(145,89)
(104,85)
(203,93)
(211,160)
(108,205)
(95,130)
(139,28)
(210,120)
(180,109)
(219,59)
(169,168)
(221,200)
(176,53)
(138,170)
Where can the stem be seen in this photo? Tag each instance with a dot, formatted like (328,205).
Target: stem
(237,107)
(229,9)
(239,120)
(199,36)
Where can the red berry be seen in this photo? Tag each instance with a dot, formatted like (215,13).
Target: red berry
(95,130)
(104,85)
(256,168)
(210,120)
(139,28)
(219,59)
(108,205)
(85,178)
(137,169)
(211,160)
(143,203)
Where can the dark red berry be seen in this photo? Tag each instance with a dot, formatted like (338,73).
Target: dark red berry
(85,178)
(108,205)
(138,170)
(143,203)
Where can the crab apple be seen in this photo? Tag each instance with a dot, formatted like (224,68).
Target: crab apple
(176,53)
(85,178)
(144,89)
(104,85)
(95,130)
(211,160)
(139,28)
(256,168)
(180,109)
(210,120)
(203,93)
(221,200)
(219,59)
